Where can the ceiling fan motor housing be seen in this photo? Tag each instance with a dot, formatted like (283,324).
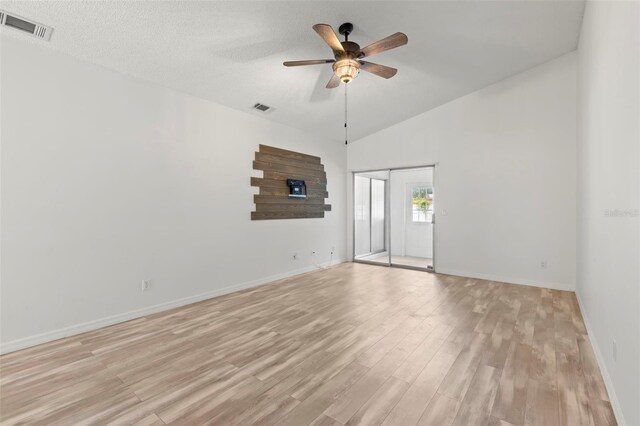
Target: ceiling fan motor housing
(346,65)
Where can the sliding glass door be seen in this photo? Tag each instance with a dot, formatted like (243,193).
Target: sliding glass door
(411,199)
(393,217)
(370,217)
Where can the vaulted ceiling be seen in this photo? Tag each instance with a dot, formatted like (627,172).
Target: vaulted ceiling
(232,52)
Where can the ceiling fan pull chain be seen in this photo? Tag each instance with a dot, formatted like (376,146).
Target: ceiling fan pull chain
(346,130)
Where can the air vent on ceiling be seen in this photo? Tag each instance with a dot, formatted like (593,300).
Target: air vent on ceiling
(262,107)
(26,26)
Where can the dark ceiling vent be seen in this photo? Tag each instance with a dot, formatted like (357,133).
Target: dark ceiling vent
(32,28)
(261,107)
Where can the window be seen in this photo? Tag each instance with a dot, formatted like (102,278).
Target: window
(422,204)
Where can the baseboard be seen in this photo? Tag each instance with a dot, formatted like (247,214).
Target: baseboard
(613,397)
(510,280)
(27,342)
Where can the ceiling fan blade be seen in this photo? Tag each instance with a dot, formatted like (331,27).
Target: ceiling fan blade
(387,43)
(334,82)
(379,70)
(309,62)
(329,36)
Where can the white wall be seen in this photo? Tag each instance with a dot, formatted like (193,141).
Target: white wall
(608,285)
(108,180)
(506,159)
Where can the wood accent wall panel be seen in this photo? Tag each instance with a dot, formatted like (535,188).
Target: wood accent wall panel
(278,165)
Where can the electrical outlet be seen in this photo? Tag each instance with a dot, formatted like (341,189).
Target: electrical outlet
(543,264)
(295,256)
(614,350)
(145,285)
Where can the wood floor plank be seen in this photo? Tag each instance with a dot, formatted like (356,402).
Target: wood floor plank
(324,396)
(415,363)
(543,352)
(511,396)
(542,404)
(413,403)
(441,411)
(353,398)
(151,420)
(482,390)
(458,379)
(572,389)
(351,344)
(598,398)
(376,409)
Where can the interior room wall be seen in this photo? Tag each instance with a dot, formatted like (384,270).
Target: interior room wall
(408,238)
(108,181)
(608,284)
(505,175)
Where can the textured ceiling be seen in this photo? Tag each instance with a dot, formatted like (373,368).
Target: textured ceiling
(232,52)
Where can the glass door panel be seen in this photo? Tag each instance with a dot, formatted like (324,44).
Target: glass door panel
(411,217)
(370,217)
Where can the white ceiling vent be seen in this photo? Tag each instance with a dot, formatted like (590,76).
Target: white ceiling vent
(262,107)
(16,22)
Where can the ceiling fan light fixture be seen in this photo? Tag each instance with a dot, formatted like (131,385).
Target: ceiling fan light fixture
(346,69)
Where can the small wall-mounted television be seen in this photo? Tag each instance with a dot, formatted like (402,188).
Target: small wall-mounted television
(297,188)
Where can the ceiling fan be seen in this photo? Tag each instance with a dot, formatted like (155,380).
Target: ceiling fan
(348,55)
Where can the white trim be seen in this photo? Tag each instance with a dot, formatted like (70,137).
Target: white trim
(26,342)
(510,280)
(613,398)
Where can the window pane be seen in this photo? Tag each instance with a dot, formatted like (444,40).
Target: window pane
(422,204)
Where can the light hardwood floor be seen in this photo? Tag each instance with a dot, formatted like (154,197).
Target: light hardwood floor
(354,344)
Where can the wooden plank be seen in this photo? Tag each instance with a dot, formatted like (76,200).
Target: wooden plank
(274,199)
(292,208)
(299,172)
(374,411)
(284,215)
(269,158)
(289,154)
(284,192)
(413,403)
(542,405)
(510,399)
(270,183)
(441,410)
(482,390)
(269,174)
(265,207)
(282,183)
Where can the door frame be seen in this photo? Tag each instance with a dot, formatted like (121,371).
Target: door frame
(388,218)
